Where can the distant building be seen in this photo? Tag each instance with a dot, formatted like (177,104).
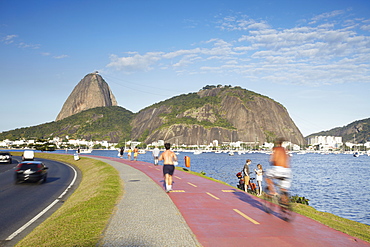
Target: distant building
(325,142)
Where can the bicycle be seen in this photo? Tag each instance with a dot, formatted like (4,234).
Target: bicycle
(241,184)
(279,202)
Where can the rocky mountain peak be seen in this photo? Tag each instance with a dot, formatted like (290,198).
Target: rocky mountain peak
(92,91)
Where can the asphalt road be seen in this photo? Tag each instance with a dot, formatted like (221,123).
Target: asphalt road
(20,203)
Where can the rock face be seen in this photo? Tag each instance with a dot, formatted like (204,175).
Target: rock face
(92,91)
(225,114)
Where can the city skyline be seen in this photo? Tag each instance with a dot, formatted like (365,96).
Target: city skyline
(312,57)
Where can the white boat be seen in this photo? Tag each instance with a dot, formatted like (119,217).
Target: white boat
(85,151)
(197,152)
(231,153)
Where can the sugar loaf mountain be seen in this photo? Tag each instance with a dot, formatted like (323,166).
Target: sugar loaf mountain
(222,113)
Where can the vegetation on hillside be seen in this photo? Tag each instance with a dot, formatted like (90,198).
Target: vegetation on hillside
(102,123)
(193,101)
(358,131)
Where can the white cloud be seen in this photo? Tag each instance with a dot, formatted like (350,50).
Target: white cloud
(312,55)
(365,27)
(136,62)
(326,16)
(60,56)
(9,39)
(232,23)
(31,46)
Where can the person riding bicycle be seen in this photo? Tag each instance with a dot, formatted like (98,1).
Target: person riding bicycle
(280,171)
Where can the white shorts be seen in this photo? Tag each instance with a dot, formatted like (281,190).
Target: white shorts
(282,174)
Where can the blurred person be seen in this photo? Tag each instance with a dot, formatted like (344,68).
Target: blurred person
(129,151)
(169,158)
(259,173)
(155,154)
(280,170)
(121,151)
(246,174)
(136,153)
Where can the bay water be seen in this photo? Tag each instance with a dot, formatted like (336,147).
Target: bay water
(334,183)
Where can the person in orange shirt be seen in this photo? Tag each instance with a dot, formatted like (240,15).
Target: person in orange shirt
(280,170)
(136,153)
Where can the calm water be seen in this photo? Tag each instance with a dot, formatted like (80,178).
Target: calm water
(334,183)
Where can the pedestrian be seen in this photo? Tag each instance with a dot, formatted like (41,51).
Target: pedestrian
(169,158)
(155,154)
(129,151)
(246,174)
(121,152)
(259,173)
(136,153)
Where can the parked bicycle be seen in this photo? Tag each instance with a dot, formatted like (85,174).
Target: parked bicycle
(241,183)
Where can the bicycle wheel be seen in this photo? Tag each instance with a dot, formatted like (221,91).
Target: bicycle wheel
(269,202)
(266,204)
(286,209)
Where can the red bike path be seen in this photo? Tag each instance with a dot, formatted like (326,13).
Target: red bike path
(220,215)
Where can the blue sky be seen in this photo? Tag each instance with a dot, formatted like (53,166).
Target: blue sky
(311,56)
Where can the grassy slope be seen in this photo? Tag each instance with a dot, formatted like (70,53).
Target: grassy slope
(83,217)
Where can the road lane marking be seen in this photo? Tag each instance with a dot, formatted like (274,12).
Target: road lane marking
(247,217)
(228,190)
(22,228)
(178,177)
(177,191)
(212,196)
(32,220)
(192,185)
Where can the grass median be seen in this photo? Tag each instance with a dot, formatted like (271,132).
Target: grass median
(81,220)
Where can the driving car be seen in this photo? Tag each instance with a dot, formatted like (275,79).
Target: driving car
(5,157)
(31,171)
(28,155)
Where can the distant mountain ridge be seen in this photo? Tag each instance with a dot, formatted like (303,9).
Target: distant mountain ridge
(222,113)
(357,131)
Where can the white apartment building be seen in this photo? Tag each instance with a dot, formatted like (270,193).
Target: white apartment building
(325,142)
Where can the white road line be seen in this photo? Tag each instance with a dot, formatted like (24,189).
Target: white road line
(72,183)
(22,228)
(31,221)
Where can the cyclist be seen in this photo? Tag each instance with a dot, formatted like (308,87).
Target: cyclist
(280,171)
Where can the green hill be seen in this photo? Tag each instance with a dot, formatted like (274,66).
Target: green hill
(110,123)
(222,113)
(358,131)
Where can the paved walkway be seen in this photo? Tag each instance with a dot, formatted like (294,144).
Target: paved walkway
(201,212)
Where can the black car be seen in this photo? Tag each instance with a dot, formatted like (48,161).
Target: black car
(5,157)
(31,171)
